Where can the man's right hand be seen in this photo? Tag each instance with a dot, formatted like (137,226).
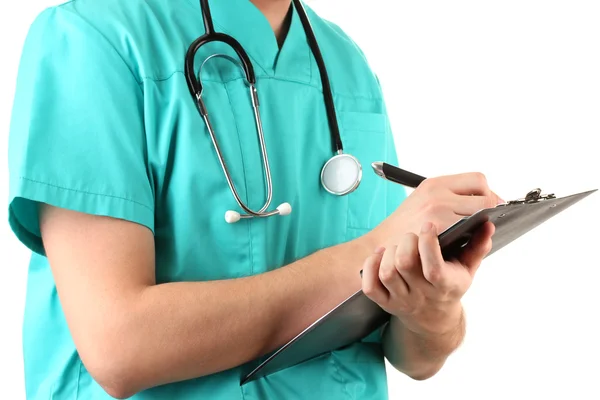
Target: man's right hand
(442,201)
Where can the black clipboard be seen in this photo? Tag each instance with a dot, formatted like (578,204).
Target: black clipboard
(357,317)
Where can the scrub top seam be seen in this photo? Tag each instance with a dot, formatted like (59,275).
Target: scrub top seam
(87,192)
(277,78)
(108,42)
(78,378)
(310,64)
(357,227)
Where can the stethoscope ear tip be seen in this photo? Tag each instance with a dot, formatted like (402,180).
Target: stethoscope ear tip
(232,217)
(284,209)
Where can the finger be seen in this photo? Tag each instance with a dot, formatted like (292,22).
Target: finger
(389,276)
(431,257)
(371,285)
(469,205)
(477,248)
(446,221)
(467,184)
(407,261)
(498,199)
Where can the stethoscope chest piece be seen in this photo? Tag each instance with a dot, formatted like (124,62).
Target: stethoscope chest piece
(341,174)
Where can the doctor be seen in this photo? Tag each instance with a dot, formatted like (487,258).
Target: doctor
(147,279)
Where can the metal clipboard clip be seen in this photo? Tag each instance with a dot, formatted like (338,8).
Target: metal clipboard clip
(534,196)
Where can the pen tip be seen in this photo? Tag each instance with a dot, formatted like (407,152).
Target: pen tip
(378,168)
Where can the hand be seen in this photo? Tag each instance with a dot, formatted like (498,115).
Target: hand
(412,281)
(441,201)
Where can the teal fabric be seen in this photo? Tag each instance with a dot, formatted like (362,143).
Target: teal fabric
(103,123)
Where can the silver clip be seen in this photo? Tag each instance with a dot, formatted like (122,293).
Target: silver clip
(533,196)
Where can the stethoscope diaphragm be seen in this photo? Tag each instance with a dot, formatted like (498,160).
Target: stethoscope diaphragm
(341,174)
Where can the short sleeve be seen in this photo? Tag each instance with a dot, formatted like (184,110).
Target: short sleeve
(76,137)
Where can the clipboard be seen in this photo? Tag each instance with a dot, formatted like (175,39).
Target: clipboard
(357,317)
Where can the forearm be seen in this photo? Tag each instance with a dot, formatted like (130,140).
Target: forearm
(420,356)
(178,331)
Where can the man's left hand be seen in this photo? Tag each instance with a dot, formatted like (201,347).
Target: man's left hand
(413,282)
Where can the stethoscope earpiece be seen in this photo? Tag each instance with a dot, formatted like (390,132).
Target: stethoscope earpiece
(232,217)
(284,209)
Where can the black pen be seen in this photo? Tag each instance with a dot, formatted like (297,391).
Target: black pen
(397,175)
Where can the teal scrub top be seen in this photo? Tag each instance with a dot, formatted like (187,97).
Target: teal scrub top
(103,123)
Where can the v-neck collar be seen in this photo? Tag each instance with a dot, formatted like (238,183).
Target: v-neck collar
(242,20)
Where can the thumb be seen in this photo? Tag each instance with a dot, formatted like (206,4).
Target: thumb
(478,248)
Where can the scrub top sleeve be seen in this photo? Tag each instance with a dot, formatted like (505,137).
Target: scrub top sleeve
(77,137)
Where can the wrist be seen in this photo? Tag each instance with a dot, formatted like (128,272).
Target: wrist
(389,230)
(376,237)
(346,260)
(445,322)
(454,322)
(369,242)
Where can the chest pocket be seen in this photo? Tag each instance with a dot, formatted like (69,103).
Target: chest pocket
(365,137)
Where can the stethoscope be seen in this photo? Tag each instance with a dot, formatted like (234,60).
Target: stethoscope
(340,175)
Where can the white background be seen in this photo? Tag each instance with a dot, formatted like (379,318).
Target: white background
(509,88)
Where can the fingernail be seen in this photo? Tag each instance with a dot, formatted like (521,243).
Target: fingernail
(379,250)
(426,227)
(500,201)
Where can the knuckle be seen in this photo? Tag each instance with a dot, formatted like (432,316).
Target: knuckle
(429,185)
(409,239)
(433,209)
(404,261)
(386,275)
(426,184)
(434,275)
(480,179)
(480,182)
(368,288)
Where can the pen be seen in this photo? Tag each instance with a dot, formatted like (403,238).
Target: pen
(397,175)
